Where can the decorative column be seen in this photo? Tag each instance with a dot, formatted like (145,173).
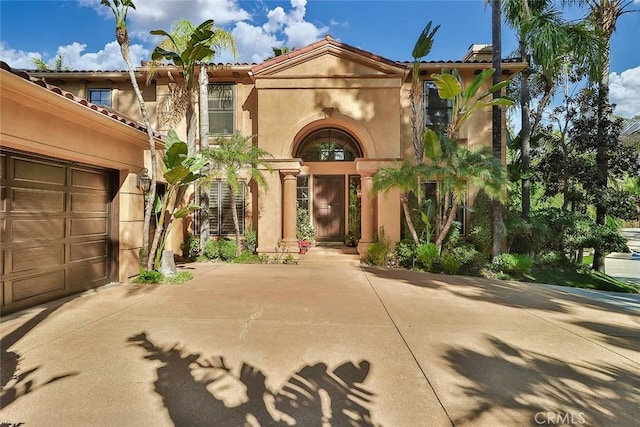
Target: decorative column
(289,207)
(366,212)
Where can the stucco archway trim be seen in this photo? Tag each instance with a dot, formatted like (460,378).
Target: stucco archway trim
(344,123)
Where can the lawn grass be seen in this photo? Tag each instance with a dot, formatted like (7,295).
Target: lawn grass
(576,279)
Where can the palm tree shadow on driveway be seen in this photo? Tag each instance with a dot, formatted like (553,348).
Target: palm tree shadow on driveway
(204,391)
(509,378)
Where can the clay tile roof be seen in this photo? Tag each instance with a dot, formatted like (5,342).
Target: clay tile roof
(100,109)
(475,61)
(326,41)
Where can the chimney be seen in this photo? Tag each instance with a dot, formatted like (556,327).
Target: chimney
(478,52)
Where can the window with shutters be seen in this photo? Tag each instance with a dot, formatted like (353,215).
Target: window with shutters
(221,212)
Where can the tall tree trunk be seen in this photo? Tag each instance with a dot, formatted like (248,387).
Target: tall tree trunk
(203,86)
(234,214)
(496,205)
(525,133)
(602,163)
(146,257)
(447,225)
(192,127)
(602,152)
(404,199)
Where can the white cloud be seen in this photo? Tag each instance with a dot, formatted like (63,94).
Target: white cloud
(624,91)
(76,57)
(109,58)
(18,58)
(255,35)
(254,44)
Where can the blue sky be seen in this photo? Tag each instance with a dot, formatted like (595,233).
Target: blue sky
(83,31)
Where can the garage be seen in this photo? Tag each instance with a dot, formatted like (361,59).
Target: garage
(56,228)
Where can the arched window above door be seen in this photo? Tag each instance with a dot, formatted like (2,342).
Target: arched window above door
(329,145)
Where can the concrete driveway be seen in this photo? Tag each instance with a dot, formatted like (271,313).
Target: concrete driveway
(323,344)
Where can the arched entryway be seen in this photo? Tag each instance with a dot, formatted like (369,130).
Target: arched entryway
(331,188)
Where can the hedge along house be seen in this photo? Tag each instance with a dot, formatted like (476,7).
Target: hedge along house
(330,114)
(71,212)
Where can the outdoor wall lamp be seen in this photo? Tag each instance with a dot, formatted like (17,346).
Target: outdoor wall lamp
(143,180)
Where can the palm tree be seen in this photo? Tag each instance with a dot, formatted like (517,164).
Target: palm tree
(58,64)
(602,19)
(232,157)
(180,103)
(278,51)
(120,9)
(545,42)
(496,120)
(420,50)
(188,47)
(456,168)
(404,178)
(453,165)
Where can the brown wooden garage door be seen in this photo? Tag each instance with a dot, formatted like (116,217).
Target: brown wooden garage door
(55,223)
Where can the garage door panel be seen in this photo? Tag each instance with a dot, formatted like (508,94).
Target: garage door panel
(87,250)
(89,227)
(86,276)
(36,258)
(24,200)
(24,230)
(33,171)
(89,203)
(55,229)
(88,180)
(37,285)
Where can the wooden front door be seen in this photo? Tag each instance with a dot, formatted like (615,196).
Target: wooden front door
(328,208)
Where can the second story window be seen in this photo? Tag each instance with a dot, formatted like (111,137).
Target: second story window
(100,97)
(221,109)
(437,111)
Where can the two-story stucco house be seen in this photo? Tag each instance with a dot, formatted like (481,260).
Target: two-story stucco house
(330,115)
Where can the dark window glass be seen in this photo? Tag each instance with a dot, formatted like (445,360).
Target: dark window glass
(437,111)
(100,97)
(221,102)
(329,145)
(303,192)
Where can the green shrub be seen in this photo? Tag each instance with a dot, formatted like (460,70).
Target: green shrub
(452,236)
(211,249)
(405,253)
(378,253)
(550,259)
(304,229)
(480,231)
(190,246)
(179,278)
(449,263)
(512,264)
(471,260)
(247,257)
(426,254)
(250,240)
(227,250)
(149,276)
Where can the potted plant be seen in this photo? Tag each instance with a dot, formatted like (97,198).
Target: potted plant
(303,246)
(305,231)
